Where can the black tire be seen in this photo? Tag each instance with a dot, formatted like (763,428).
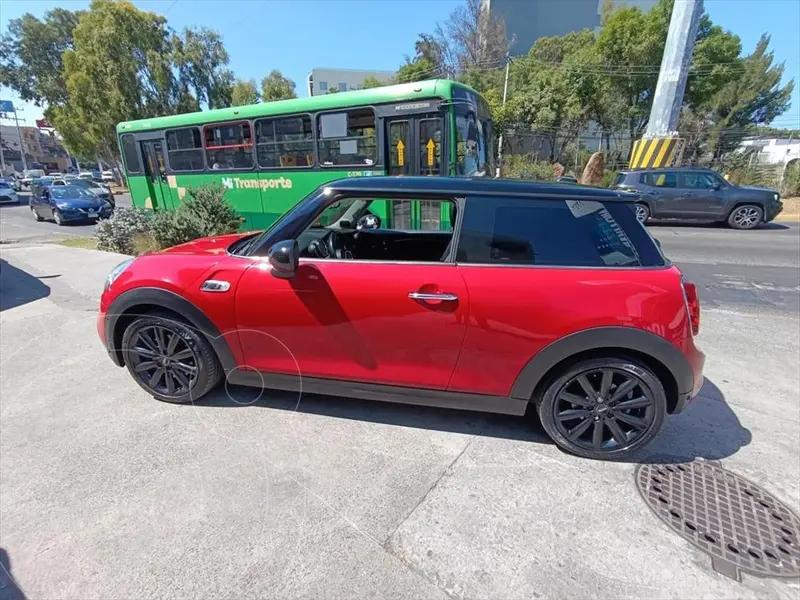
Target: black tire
(747,216)
(192,346)
(36,215)
(642,212)
(647,418)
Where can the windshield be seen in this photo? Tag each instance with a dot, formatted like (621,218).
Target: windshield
(46,181)
(71,193)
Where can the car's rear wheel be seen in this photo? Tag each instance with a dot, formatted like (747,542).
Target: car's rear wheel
(748,216)
(170,359)
(642,212)
(35,214)
(603,408)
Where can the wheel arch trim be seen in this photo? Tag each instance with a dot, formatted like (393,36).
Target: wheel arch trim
(598,338)
(150,296)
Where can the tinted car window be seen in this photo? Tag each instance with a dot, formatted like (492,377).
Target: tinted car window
(583,233)
(71,192)
(668,179)
(702,181)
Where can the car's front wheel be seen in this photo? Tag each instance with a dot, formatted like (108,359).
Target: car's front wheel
(169,358)
(642,212)
(57,218)
(35,214)
(603,408)
(748,216)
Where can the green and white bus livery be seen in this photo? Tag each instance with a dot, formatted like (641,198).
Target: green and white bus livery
(269,156)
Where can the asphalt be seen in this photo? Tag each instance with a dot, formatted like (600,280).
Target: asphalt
(107,493)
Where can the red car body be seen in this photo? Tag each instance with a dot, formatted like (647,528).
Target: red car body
(349,327)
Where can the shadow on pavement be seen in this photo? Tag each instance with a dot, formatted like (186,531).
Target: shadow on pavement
(18,287)
(9,590)
(707,428)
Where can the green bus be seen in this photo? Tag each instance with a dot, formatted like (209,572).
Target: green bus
(271,155)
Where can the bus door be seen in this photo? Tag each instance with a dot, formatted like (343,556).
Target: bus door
(415,146)
(156,171)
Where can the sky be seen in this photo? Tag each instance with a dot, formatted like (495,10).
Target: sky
(295,36)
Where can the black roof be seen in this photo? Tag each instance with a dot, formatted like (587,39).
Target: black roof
(659,169)
(458,186)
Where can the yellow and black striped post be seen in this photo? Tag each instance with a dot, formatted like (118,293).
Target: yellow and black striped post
(652,153)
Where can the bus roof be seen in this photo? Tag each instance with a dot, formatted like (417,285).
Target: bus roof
(436,88)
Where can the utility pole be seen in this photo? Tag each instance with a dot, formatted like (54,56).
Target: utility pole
(21,143)
(657,147)
(505,95)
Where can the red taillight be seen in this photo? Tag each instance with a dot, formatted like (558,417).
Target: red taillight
(693,304)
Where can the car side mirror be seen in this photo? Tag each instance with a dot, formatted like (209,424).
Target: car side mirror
(716,186)
(284,258)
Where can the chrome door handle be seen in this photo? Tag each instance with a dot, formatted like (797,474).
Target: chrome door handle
(425,296)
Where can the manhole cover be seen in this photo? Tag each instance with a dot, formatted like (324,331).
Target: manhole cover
(742,527)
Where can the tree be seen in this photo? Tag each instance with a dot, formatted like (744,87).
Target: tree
(277,87)
(201,58)
(371,82)
(470,37)
(244,92)
(755,97)
(417,69)
(31,55)
(119,69)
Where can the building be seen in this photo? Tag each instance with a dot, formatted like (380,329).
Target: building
(41,148)
(321,81)
(528,20)
(772,151)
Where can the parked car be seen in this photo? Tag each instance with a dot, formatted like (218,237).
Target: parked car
(7,192)
(101,191)
(107,176)
(700,195)
(567,179)
(85,175)
(69,177)
(540,294)
(68,203)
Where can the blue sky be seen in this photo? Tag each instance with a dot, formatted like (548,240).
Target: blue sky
(297,35)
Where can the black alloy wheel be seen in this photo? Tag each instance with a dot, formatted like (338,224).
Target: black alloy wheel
(170,359)
(164,361)
(604,408)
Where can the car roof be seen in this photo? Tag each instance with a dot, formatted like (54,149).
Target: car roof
(662,169)
(459,186)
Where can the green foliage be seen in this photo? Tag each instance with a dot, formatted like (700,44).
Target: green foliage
(31,55)
(277,87)
(791,180)
(526,167)
(371,82)
(418,69)
(205,212)
(110,63)
(118,233)
(244,92)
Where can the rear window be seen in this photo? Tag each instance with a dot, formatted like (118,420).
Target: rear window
(574,233)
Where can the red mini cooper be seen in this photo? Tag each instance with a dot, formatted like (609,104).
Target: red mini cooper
(476,294)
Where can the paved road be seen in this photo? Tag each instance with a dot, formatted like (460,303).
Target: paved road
(732,268)
(107,493)
(17,223)
(736,269)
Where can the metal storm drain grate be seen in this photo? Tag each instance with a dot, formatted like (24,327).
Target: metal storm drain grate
(742,527)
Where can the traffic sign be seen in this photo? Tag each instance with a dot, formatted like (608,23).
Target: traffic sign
(6,106)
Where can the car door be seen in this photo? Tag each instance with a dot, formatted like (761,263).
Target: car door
(662,192)
(702,193)
(393,322)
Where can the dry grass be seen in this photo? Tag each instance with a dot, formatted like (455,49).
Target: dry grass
(90,243)
(791,209)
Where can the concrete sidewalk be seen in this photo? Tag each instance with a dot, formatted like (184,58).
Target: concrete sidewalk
(107,493)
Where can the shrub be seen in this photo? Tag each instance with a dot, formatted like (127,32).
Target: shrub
(608,178)
(791,180)
(525,167)
(204,213)
(117,233)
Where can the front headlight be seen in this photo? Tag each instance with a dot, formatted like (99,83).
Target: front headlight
(63,206)
(116,272)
